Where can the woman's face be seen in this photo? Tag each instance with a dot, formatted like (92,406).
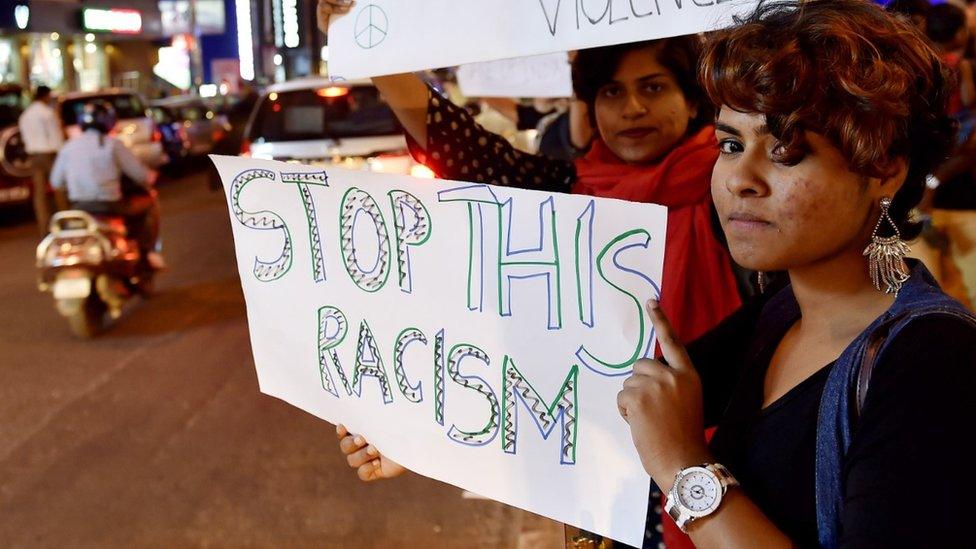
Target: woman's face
(642,114)
(780,217)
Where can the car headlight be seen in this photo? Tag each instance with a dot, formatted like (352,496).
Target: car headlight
(419,170)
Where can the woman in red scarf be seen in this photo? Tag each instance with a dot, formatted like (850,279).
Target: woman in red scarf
(655,143)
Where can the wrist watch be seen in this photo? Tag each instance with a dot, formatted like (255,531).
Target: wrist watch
(697,492)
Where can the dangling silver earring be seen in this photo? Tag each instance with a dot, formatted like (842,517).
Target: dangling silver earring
(886,255)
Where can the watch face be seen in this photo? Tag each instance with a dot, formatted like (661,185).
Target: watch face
(698,490)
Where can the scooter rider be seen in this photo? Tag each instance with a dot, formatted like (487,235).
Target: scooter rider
(91,166)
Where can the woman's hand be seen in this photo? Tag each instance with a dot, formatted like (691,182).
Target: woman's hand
(663,405)
(328,8)
(368,462)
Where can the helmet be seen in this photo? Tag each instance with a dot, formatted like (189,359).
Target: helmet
(97,115)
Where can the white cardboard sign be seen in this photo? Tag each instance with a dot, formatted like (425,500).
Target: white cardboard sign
(547,75)
(393,36)
(478,335)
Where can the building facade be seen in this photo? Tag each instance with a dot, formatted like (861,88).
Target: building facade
(151,46)
(284,40)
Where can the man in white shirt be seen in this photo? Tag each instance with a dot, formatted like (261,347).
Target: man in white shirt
(41,132)
(90,169)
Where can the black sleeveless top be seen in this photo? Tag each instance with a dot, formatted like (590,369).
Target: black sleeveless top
(908,482)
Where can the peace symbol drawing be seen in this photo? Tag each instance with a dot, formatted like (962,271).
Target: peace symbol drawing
(371,26)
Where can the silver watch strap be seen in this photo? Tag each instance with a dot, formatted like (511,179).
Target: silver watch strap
(723,474)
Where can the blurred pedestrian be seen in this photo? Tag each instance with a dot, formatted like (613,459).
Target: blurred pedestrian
(101,176)
(40,129)
(950,202)
(915,10)
(565,134)
(969,8)
(946,28)
(562,125)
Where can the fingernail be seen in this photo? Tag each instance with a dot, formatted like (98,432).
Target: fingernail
(377,464)
(372,451)
(338,429)
(652,303)
(359,441)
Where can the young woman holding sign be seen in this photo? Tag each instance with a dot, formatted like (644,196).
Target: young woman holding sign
(842,399)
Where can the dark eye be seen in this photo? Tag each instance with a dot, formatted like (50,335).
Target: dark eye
(729,146)
(610,91)
(654,87)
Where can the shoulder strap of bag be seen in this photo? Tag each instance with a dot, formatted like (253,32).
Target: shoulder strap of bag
(870,358)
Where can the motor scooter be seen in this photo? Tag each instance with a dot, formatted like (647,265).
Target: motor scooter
(92,266)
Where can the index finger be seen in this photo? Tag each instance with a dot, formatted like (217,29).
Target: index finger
(671,347)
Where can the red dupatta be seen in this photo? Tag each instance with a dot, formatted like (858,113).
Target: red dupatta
(698,289)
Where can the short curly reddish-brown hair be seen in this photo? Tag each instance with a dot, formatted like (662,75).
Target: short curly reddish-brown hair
(865,79)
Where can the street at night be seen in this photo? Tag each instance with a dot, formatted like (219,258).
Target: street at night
(662,275)
(154,433)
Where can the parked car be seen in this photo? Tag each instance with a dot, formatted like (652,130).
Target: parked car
(203,126)
(175,141)
(314,120)
(135,127)
(15,184)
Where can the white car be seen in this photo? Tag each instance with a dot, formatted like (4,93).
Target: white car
(135,127)
(316,121)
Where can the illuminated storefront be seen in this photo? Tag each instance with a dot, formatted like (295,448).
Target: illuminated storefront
(46,61)
(11,65)
(75,45)
(14,18)
(285,41)
(174,62)
(89,62)
(177,63)
(147,45)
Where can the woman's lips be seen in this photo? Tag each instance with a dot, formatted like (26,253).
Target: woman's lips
(636,133)
(744,221)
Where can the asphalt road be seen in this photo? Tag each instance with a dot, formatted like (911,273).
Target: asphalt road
(154,434)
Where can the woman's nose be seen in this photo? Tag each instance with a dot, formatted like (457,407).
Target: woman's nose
(743,180)
(633,108)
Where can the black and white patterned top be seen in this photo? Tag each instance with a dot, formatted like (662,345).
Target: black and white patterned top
(458,148)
